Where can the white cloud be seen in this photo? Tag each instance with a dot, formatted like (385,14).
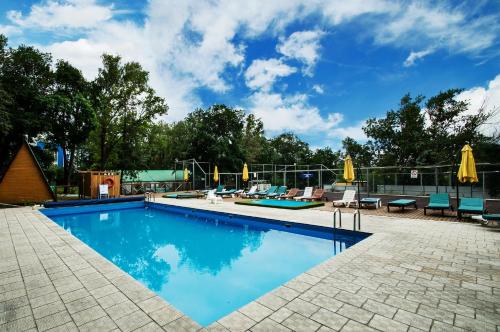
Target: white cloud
(9,30)
(420,25)
(53,14)
(187,45)
(356,132)
(488,97)
(290,113)
(303,46)
(414,56)
(318,89)
(262,74)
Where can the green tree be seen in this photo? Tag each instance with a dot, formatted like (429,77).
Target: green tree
(254,142)
(25,77)
(399,138)
(327,157)
(288,148)
(125,106)
(215,135)
(361,154)
(452,126)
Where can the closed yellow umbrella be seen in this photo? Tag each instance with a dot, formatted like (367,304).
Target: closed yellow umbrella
(348,170)
(245,176)
(467,170)
(186,175)
(216,174)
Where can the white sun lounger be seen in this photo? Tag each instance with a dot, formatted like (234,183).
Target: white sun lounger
(308,191)
(347,199)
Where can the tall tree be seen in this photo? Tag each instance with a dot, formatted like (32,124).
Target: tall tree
(400,137)
(288,148)
(254,142)
(361,154)
(125,105)
(25,77)
(452,125)
(71,112)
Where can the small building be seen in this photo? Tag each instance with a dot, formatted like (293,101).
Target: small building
(23,181)
(163,180)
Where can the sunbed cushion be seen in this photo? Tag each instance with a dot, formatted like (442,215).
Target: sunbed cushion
(403,202)
(492,216)
(438,206)
(471,204)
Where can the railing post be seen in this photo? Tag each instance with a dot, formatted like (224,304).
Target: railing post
(335,218)
(358,215)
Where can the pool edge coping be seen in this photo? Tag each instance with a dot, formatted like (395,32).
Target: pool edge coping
(317,271)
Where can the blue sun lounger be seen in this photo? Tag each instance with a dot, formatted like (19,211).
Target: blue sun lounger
(402,203)
(438,202)
(470,206)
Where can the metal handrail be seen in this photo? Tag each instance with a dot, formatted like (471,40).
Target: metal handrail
(358,214)
(335,218)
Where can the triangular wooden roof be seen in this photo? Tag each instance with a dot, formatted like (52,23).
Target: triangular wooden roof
(5,174)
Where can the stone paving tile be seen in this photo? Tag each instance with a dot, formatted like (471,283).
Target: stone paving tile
(409,275)
(88,315)
(101,324)
(281,314)
(361,315)
(299,323)
(385,324)
(48,309)
(329,319)
(255,311)
(353,326)
(271,301)
(133,321)
(302,307)
(182,324)
(411,319)
(165,315)
(54,320)
(236,321)
(268,325)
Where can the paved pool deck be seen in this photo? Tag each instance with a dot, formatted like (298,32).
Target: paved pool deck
(410,275)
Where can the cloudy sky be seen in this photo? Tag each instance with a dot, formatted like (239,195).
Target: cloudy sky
(318,68)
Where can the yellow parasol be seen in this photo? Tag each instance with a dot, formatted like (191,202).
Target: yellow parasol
(216,174)
(467,170)
(245,176)
(186,174)
(348,169)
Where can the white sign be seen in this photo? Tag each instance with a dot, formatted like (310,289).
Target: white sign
(414,174)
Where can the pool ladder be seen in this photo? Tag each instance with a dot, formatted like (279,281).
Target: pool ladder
(356,217)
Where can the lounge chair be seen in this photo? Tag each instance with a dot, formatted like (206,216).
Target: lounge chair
(371,201)
(347,199)
(249,193)
(485,219)
(307,194)
(223,193)
(438,202)
(316,196)
(402,203)
(470,206)
(291,194)
(264,193)
(280,192)
(212,198)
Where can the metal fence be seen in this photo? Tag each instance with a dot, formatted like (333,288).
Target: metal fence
(413,181)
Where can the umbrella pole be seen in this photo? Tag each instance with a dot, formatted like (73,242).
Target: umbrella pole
(359,193)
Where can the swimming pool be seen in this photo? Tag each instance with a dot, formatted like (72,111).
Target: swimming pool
(207,264)
(280,204)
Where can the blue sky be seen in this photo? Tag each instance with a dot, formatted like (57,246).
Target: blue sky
(318,68)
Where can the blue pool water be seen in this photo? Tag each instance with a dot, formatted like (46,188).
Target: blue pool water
(205,264)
